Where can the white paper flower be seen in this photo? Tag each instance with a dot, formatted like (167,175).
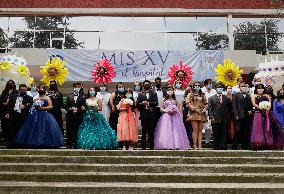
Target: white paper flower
(264,105)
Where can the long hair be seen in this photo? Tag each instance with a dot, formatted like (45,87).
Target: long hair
(173,96)
(193,97)
(88,95)
(259,86)
(6,90)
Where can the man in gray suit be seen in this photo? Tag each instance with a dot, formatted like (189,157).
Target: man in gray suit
(219,109)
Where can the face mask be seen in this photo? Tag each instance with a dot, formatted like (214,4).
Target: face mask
(158,85)
(209,86)
(178,86)
(260,91)
(10,85)
(219,90)
(23,94)
(53,86)
(244,90)
(33,89)
(137,88)
(120,89)
(146,87)
(103,89)
(41,92)
(170,93)
(92,93)
(128,95)
(197,88)
(77,90)
(229,91)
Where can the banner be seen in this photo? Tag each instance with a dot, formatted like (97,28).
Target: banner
(138,65)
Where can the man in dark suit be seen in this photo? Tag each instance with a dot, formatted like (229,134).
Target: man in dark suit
(17,112)
(219,108)
(161,92)
(75,107)
(147,102)
(242,109)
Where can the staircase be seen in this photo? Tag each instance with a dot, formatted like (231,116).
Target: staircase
(79,171)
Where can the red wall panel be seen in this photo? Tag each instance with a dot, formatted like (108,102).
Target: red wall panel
(189,4)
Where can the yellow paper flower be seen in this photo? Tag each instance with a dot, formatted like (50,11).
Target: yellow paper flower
(23,70)
(5,65)
(228,73)
(54,70)
(31,80)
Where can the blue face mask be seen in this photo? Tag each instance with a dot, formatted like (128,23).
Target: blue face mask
(77,90)
(197,88)
(120,89)
(220,90)
(33,89)
(137,88)
(22,94)
(92,93)
(209,86)
(178,86)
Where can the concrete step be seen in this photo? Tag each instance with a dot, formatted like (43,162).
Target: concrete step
(142,177)
(127,188)
(147,168)
(176,153)
(140,159)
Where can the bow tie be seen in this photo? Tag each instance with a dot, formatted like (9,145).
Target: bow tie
(159,89)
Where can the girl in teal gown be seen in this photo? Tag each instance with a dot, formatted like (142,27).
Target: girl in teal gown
(95,132)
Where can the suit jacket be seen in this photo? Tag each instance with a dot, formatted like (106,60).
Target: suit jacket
(153,103)
(8,109)
(81,101)
(220,112)
(241,105)
(14,115)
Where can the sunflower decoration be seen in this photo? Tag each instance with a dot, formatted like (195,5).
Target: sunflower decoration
(5,65)
(104,72)
(54,70)
(181,73)
(228,73)
(23,70)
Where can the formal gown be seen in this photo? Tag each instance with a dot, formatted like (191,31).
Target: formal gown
(95,132)
(170,132)
(39,129)
(104,96)
(261,134)
(127,129)
(278,133)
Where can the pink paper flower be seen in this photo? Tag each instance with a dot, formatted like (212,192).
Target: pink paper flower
(104,72)
(181,73)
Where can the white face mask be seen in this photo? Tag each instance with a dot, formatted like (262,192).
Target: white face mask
(103,89)
(244,90)
(170,93)
(128,95)
(229,91)
(260,91)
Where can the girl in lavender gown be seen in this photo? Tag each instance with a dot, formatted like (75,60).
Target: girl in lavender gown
(278,111)
(261,134)
(170,132)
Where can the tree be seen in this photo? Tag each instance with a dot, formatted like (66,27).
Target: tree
(2,38)
(279,5)
(53,26)
(251,36)
(211,41)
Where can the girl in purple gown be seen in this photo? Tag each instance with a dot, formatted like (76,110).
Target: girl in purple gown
(261,134)
(170,132)
(278,111)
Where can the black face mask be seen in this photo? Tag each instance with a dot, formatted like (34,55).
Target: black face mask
(10,85)
(146,87)
(41,92)
(281,96)
(158,85)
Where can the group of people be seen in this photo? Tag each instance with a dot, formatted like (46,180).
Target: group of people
(170,117)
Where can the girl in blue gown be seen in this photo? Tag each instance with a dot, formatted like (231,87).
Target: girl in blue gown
(95,132)
(40,129)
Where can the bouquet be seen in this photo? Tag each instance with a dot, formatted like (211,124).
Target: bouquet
(264,105)
(92,103)
(172,110)
(128,101)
